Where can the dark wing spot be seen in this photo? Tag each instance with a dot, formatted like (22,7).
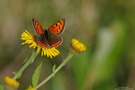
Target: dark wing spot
(60,22)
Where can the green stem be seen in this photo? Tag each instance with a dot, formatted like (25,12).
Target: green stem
(70,55)
(25,65)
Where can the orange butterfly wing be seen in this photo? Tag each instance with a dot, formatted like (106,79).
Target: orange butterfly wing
(55,40)
(37,26)
(58,27)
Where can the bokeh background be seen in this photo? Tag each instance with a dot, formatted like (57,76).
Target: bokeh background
(106,27)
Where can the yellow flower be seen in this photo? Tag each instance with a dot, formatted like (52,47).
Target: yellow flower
(30,88)
(32,39)
(77,46)
(11,82)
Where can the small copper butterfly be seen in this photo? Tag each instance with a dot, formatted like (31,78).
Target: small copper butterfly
(50,37)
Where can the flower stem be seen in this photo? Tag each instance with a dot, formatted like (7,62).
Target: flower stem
(70,55)
(26,64)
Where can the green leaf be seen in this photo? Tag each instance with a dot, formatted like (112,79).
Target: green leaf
(54,67)
(14,73)
(1,87)
(25,60)
(36,75)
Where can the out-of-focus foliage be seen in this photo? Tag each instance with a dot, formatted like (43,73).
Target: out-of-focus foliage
(106,27)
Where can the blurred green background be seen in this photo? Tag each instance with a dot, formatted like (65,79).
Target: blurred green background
(106,27)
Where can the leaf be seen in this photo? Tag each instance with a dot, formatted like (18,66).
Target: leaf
(36,75)
(54,67)
(1,87)
(14,73)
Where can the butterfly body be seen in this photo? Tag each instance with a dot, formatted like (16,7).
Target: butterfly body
(50,37)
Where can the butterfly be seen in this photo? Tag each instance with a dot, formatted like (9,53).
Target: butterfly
(50,37)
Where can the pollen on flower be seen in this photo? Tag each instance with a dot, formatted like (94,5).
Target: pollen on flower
(77,46)
(32,40)
(30,88)
(11,82)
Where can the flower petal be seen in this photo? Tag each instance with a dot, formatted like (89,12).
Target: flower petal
(77,46)
(11,82)
(32,40)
